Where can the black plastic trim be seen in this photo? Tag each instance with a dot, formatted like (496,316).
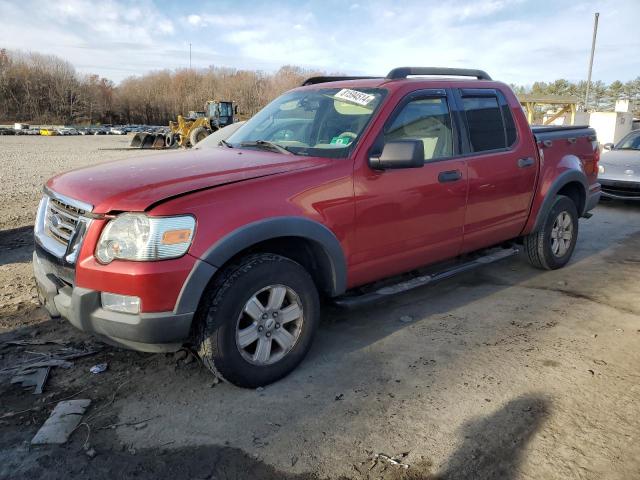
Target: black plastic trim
(194,286)
(383,293)
(562,180)
(543,134)
(326,79)
(404,72)
(251,234)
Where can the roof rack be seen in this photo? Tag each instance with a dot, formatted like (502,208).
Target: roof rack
(404,72)
(324,79)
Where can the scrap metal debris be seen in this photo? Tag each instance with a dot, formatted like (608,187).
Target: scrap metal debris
(33,378)
(24,343)
(64,419)
(393,460)
(99,368)
(57,358)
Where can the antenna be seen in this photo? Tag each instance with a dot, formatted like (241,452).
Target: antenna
(593,50)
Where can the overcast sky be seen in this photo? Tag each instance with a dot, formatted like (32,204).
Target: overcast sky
(517,41)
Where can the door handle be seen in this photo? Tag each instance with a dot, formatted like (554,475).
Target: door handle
(449,176)
(525,162)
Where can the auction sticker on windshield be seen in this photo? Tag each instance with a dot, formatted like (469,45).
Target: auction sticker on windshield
(354,96)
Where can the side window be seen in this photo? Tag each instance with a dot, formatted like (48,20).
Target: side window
(484,118)
(428,120)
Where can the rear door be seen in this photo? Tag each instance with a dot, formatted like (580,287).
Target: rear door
(502,169)
(410,217)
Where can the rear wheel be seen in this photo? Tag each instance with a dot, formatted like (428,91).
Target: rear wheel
(259,320)
(552,245)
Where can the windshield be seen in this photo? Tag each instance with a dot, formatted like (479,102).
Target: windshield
(323,123)
(630,142)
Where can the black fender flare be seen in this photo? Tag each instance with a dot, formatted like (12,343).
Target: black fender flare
(563,179)
(227,247)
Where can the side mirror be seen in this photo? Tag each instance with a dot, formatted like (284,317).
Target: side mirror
(399,154)
(608,146)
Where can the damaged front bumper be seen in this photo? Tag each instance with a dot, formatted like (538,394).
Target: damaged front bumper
(149,332)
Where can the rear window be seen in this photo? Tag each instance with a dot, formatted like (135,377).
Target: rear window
(490,122)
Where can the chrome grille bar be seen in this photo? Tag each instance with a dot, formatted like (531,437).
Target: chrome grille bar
(61,224)
(73,217)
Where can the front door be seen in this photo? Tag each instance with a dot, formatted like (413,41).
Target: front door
(406,218)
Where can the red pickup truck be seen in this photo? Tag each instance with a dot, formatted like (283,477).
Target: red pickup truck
(349,189)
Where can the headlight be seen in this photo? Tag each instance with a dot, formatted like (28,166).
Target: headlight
(135,236)
(600,169)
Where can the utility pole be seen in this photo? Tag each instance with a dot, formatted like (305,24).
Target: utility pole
(593,50)
(587,87)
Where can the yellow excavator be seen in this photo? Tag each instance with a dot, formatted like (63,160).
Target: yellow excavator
(189,130)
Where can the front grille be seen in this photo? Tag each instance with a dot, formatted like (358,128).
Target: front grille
(61,221)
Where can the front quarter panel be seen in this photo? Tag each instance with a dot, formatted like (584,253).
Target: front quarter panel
(323,194)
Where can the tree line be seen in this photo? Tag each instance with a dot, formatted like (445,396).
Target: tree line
(602,97)
(44,89)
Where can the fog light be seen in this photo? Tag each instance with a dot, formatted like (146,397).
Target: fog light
(120,303)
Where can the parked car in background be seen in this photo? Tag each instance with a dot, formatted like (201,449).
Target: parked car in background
(67,131)
(619,169)
(345,189)
(117,131)
(28,131)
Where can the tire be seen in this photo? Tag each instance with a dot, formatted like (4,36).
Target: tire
(229,307)
(198,134)
(562,220)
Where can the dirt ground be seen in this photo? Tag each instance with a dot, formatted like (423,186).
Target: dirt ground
(507,372)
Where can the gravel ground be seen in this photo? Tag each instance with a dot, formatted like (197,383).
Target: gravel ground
(28,161)
(506,372)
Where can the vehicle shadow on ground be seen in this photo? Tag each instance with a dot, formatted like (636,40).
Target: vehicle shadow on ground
(494,446)
(207,461)
(16,245)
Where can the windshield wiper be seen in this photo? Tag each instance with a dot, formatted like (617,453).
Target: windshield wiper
(265,144)
(225,143)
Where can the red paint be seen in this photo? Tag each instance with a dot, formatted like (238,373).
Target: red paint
(500,192)
(387,222)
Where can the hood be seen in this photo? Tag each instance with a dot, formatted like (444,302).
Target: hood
(137,183)
(621,165)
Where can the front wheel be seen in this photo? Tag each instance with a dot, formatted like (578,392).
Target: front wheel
(198,134)
(552,245)
(259,319)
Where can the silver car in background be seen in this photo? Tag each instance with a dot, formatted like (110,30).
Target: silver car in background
(619,169)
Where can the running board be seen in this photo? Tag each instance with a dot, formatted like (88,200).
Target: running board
(404,286)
